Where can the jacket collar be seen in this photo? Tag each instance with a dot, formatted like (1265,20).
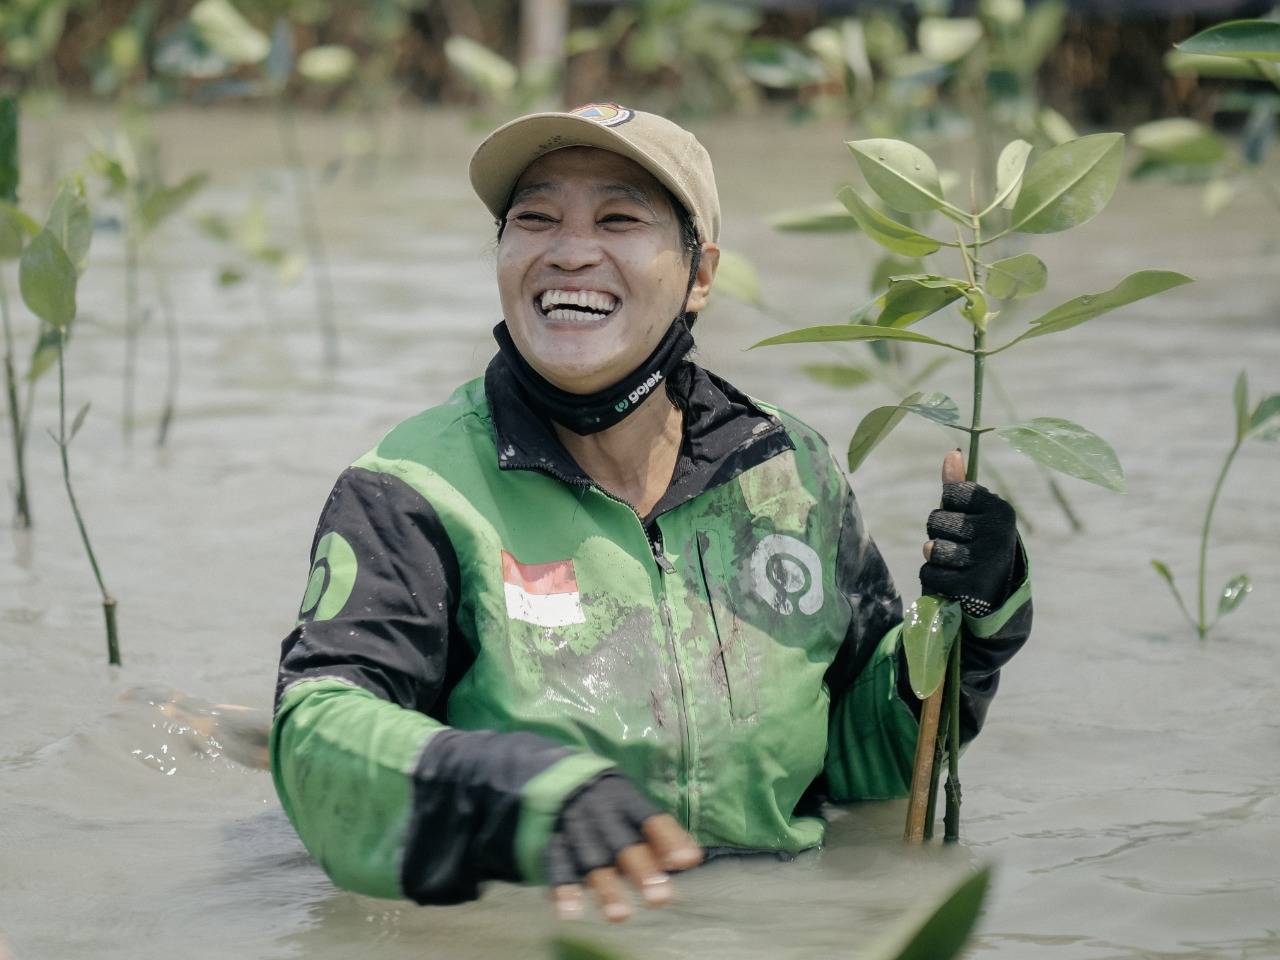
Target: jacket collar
(725,433)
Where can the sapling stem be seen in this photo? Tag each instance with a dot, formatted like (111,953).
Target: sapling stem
(64,442)
(1201,626)
(175,357)
(310,223)
(22,506)
(131,323)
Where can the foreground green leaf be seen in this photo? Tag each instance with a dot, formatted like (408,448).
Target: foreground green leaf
(1237,39)
(873,428)
(937,407)
(47,278)
(1016,277)
(1010,169)
(1066,447)
(929,628)
(1069,184)
(884,230)
(900,173)
(1233,593)
(1167,575)
(827,218)
(845,332)
(1264,424)
(1136,286)
(909,300)
(941,932)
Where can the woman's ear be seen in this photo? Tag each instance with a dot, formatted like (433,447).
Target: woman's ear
(704,278)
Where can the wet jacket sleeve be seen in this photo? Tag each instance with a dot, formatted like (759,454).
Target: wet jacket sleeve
(873,722)
(390,800)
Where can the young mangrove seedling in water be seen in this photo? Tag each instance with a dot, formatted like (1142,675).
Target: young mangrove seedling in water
(1260,423)
(131,168)
(48,274)
(1067,185)
(15,228)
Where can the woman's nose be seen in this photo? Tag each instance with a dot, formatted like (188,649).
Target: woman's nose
(574,246)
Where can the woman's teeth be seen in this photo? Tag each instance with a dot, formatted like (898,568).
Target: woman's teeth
(571,305)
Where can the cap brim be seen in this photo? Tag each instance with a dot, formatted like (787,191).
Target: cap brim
(507,152)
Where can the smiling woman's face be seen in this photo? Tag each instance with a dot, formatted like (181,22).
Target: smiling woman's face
(590,267)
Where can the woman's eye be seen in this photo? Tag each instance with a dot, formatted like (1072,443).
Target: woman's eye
(533,219)
(622,218)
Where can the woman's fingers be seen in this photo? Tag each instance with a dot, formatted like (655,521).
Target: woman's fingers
(611,893)
(639,865)
(671,845)
(567,899)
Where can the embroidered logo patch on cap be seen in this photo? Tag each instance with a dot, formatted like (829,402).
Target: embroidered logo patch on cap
(605,114)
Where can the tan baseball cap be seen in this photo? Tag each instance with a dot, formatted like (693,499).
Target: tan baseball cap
(669,152)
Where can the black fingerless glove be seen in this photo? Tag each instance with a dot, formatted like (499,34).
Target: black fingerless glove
(594,826)
(975,542)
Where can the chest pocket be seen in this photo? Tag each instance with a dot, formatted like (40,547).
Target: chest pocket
(737,655)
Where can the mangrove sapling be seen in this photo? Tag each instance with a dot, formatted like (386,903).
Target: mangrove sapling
(131,170)
(1260,423)
(1067,185)
(48,274)
(15,228)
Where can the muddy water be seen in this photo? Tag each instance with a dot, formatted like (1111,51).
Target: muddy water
(1127,786)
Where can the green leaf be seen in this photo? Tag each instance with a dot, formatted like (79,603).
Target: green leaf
(1009,172)
(229,276)
(828,218)
(1162,568)
(15,228)
(1016,277)
(1069,184)
(163,202)
(928,630)
(1238,39)
(328,64)
(937,407)
(1136,286)
(837,333)
(45,353)
(884,230)
(78,422)
(1265,422)
(737,277)
(902,175)
(47,278)
(1233,593)
(910,299)
(1240,398)
(1194,64)
(843,375)
(110,169)
(1066,447)
(69,222)
(8,150)
(214,226)
(485,70)
(942,932)
(873,428)
(222,27)
(1179,140)
(780,65)
(947,39)
(1041,32)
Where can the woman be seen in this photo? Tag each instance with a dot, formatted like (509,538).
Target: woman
(601,612)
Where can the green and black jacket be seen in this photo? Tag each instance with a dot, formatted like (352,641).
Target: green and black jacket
(485,631)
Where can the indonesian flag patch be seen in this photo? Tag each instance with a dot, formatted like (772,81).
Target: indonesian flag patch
(544,594)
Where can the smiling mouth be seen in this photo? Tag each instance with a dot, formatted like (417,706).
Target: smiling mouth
(576,306)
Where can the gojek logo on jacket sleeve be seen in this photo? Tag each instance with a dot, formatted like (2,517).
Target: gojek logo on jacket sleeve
(545,594)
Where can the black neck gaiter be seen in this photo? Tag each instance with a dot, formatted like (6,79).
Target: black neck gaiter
(587,413)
